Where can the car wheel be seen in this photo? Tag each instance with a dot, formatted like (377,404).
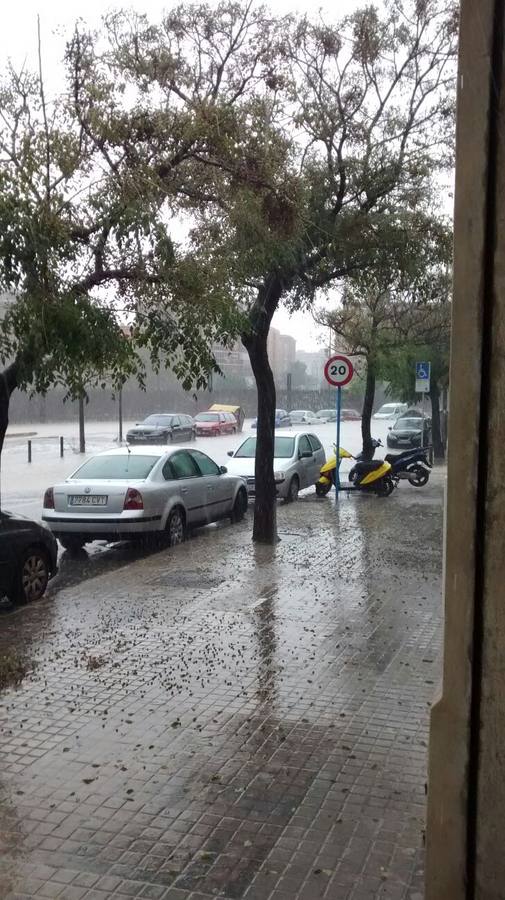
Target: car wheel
(322,489)
(385,487)
(176,527)
(31,577)
(72,543)
(240,506)
(169,438)
(293,489)
(419,477)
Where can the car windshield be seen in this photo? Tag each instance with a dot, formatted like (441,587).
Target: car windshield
(322,413)
(401,424)
(157,420)
(284,448)
(122,466)
(280,413)
(207,417)
(298,412)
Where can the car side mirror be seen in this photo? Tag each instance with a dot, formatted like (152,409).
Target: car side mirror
(223,470)
(306,454)
(230,452)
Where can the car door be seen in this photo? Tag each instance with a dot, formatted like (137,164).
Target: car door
(188,428)
(181,467)
(177,429)
(219,490)
(7,554)
(319,456)
(305,464)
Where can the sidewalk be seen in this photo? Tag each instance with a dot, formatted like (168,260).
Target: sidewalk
(230,721)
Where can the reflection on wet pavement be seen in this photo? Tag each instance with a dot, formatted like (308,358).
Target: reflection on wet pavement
(229,720)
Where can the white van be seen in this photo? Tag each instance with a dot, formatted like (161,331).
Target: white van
(390,411)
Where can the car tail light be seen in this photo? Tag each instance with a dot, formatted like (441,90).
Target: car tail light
(133,499)
(49,498)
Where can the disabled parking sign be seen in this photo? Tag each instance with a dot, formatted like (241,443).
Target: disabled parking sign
(423,373)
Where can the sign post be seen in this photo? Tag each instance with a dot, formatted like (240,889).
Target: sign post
(423,375)
(338,371)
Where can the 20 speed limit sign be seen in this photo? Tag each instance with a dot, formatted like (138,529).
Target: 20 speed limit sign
(338,370)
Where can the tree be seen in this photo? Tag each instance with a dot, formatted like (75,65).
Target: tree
(398,299)
(398,368)
(93,275)
(369,111)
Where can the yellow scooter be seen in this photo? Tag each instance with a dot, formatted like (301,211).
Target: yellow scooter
(374,477)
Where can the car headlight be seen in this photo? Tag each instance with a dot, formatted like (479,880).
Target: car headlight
(279,476)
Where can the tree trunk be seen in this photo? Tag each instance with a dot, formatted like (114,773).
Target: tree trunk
(436,434)
(366,418)
(255,342)
(265,519)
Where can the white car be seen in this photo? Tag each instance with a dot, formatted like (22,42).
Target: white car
(390,411)
(134,492)
(297,462)
(304,417)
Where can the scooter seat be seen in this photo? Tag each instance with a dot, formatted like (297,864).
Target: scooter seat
(363,468)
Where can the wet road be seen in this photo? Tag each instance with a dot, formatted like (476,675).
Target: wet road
(227,720)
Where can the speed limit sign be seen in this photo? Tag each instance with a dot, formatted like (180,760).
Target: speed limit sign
(338,370)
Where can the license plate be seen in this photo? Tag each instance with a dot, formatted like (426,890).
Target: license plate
(88,500)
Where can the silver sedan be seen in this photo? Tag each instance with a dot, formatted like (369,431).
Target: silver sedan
(298,458)
(131,492)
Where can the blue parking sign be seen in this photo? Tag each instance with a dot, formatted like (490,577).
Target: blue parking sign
(423,371)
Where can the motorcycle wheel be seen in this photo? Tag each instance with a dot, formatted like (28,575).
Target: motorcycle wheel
(385,487)
(420,477)
(322,489)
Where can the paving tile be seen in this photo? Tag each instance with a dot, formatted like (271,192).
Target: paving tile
(255,729)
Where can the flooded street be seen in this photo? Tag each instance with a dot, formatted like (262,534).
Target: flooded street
(227,720)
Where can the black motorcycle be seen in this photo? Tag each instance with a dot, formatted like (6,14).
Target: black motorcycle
(412,465)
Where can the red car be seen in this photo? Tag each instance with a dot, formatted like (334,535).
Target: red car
(349,415)
(214,423)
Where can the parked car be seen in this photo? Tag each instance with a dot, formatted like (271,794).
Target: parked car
(297,462)
(406,433)
(162,428)
(214,423)
(236,411)
(282,419)
(390,411)
(28,554)
(134,492)
(326,415)
(303,417)
(349,415)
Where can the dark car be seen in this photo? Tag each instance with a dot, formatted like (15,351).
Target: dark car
(407,432)
(162,428)
(28,554)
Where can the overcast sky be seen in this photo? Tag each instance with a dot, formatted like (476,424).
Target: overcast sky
(18,41)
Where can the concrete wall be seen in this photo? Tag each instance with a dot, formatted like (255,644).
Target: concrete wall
(466,799)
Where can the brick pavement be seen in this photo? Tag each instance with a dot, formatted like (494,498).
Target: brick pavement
(224,720)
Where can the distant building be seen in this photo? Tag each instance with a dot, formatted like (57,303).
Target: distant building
(233,361)
(281,354)
(314,361)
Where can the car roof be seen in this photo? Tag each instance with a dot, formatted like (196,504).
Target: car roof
(149,450)
(164,414)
